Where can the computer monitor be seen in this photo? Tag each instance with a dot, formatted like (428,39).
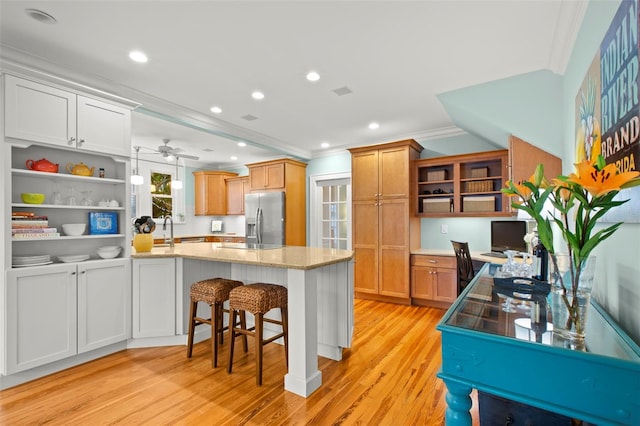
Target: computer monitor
(508,235)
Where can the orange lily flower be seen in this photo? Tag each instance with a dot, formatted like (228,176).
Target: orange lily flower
(600,182)
(524,192)
(564,192)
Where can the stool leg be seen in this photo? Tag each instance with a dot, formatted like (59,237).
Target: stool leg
(192,326)
(232,335)
(258,334)
(243,325)
(222,310)
(216,313)
(285,329)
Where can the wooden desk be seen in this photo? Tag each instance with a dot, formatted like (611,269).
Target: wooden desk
(480,350)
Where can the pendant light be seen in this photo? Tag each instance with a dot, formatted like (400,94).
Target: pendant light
(176,183)
(136,178)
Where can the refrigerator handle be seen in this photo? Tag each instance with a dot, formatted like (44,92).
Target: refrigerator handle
(259,225)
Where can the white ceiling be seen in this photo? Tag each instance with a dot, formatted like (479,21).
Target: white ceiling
(394,56)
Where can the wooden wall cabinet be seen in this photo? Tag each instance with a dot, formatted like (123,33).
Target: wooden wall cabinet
(470,184)
(433,280)
(463,185)
(524,157)
(211,192)
(289,176)
(236,188)
(269,175)
(384,229)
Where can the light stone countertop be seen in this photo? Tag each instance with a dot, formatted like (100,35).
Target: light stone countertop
(291,257)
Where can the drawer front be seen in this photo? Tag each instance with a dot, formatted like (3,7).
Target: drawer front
(433,261)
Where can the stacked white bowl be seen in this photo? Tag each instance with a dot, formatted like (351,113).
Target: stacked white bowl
(108,252)
(74,229)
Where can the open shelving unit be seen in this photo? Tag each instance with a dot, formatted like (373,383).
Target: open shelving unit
(111,187)
(462,185)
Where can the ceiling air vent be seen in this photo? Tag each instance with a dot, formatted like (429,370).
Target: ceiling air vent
(341,91)
(249,117)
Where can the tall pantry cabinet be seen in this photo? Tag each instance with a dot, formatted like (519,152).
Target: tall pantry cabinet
(384,226)
(71,305)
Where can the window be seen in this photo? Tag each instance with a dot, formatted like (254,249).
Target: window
(156,197)
(161,197)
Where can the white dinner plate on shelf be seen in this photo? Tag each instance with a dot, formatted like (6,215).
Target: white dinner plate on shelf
(73,258)
(30,260)
(23,259)
(32,264)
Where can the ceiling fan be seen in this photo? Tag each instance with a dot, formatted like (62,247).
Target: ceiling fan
(171,153)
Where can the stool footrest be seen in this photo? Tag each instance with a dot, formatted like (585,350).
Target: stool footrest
(271,339)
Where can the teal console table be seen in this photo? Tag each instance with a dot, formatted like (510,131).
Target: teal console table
(486,348)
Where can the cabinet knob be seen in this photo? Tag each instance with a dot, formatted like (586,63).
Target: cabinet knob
(81,141)
(73,273)
(71,140)
(433,261)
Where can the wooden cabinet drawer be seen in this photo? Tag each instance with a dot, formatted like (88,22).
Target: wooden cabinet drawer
(433,261)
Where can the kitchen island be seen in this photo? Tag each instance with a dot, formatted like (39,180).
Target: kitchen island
(320,291)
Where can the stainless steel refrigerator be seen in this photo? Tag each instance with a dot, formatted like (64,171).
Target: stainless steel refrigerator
(264,214)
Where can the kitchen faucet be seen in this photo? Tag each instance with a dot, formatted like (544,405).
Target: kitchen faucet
(164,228)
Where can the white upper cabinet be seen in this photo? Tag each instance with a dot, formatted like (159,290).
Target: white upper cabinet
(40,113)
(103,127)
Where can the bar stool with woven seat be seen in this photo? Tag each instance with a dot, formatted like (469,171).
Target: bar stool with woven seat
(214,292)
(258,299)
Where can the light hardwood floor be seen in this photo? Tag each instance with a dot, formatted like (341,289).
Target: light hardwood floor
(388,377)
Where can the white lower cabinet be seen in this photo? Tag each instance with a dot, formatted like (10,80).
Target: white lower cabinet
(57,311)
(104,304)
(41,316)
(154,297)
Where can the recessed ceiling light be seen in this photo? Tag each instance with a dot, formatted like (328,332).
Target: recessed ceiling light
(313,76)
(257,95)
(234,158)
(138,56)
(373,125)
(216,110)
(242,144)
(325,145)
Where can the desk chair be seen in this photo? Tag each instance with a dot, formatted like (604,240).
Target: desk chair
(464,264)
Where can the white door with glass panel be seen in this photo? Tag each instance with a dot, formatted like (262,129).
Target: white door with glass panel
(331,211)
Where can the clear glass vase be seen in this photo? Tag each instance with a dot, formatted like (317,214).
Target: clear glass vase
(570,297)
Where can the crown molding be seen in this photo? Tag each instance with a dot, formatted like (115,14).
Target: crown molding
(25,64)
(570,19)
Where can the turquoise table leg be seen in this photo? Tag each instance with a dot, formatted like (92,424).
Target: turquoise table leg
(458,404)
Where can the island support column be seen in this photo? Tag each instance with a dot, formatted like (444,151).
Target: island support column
(303,377)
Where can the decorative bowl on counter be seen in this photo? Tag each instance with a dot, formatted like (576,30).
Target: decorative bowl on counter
(74,229)
(32,198)
(108,252)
